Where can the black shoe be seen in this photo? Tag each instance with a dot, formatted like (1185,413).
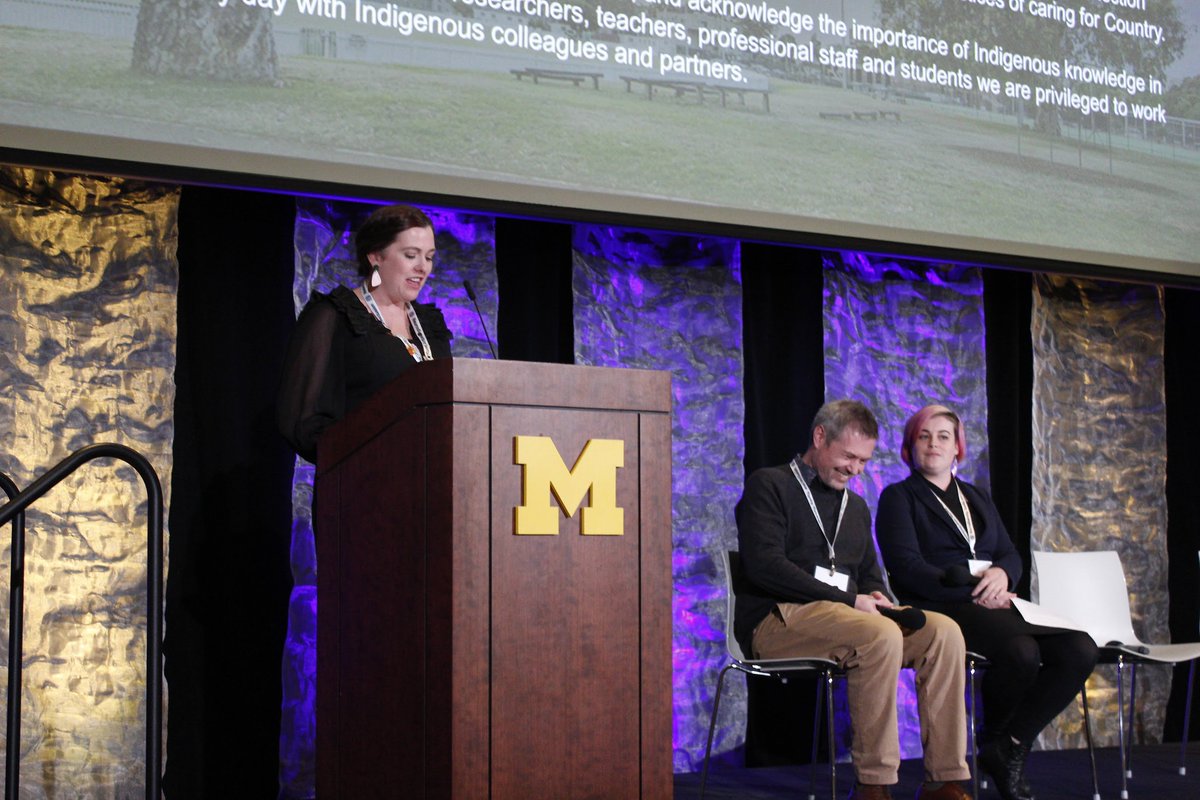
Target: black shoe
(989,742)
(1004,762)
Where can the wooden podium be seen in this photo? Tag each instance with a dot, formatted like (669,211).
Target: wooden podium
(459,659)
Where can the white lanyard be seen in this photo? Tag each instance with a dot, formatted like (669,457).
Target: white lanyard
(816,515)
(968,533)
(424,354)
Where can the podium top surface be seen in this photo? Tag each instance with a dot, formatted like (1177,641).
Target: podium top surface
(479,380)
(494,382)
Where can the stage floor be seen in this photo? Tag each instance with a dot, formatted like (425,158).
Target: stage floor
(1056,775)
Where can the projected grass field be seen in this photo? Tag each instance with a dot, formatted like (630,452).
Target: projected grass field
(940,168)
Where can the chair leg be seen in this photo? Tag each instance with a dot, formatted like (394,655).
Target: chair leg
(972,742)
(1133,671)
(712,726)
(832,744)
(1121,724)
(1187,718)
(1087,733)
(818,704)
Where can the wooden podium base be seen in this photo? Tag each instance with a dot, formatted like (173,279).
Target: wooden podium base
(458,659)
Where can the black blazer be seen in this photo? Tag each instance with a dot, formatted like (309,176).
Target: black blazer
(918,540)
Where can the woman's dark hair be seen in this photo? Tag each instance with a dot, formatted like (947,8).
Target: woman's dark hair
(381,229)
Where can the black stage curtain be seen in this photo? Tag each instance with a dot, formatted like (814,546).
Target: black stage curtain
(783,335)
(1008,310)
(784,355)
(1183,501)
(230,514)
(533,269)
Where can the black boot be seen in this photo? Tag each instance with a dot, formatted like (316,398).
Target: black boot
(1004,762)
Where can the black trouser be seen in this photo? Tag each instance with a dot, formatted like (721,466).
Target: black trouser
(1035,671)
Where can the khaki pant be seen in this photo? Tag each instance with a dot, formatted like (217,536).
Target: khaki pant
(872,650)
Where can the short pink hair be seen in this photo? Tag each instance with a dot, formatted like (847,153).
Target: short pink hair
(920,419)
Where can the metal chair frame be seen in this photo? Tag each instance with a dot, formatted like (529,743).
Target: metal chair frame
(975,662)
(780,669)
(1104,614)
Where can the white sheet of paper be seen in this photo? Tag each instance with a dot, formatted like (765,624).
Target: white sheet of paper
(1036,615)
(977,566)
(839,579)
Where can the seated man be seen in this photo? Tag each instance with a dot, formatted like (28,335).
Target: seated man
(815,589)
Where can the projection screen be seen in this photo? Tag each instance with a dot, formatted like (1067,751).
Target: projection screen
(1052,130)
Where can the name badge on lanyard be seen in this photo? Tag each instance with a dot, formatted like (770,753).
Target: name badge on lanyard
(839,579)
(978,566)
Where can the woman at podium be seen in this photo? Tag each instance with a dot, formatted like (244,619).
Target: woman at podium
(947,550)
(351,342)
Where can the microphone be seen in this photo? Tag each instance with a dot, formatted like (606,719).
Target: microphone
(958,575)
(478,313)
(905,616)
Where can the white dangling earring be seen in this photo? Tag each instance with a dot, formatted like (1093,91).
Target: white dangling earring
(375,279)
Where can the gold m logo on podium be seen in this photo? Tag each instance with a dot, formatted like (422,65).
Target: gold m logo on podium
(545,473)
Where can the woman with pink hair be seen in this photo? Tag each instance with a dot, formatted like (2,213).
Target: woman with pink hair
(946,550)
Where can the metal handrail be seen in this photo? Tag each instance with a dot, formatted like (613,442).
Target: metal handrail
(15,510)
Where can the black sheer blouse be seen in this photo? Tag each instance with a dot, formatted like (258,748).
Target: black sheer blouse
(340,355)
(949,497)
